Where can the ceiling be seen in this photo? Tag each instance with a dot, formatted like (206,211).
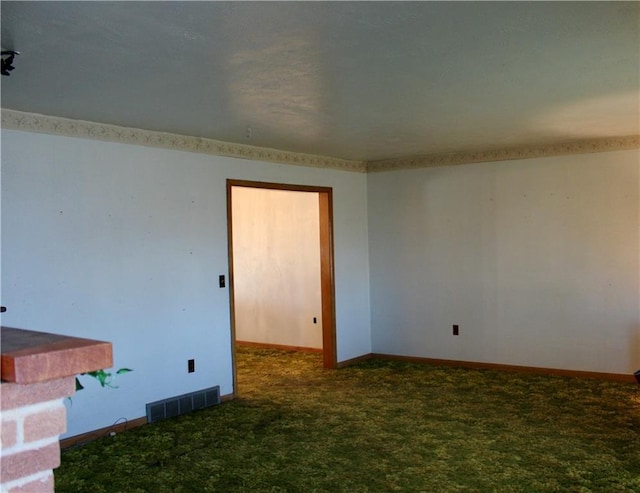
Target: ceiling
(355,80)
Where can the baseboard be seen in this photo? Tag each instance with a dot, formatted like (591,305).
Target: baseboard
(618,377)
(227,397)
(353,361)
(119,427)
(265,345)
(90,436)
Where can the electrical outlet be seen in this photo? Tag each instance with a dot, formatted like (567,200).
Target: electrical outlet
(191,365)
(456,330)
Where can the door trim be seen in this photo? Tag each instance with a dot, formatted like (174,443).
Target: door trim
(327,276)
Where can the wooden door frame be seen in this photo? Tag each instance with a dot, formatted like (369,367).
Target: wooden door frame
(325,202)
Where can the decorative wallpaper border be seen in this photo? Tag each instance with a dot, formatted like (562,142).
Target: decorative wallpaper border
(525,152)
(32,122)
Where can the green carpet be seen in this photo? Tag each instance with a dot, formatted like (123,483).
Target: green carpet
(374,427)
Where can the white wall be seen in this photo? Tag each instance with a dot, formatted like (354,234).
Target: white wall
(276,267)
(536,260)
(125,243)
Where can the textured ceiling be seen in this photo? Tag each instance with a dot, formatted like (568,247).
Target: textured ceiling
(353,80)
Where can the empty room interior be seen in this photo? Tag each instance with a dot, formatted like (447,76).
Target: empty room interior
(462,180)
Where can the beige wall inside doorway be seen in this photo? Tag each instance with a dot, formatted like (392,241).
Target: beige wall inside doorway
(277,285)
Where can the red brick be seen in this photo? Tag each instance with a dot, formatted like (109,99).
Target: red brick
(13,395)
(9,433)
(28,462)
(29,356)
(45,424)
(44,485)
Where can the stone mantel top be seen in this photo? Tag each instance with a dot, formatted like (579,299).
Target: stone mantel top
(29,356)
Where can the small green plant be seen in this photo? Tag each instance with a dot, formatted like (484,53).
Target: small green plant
(104,377)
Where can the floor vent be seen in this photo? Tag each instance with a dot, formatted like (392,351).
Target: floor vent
(181,404)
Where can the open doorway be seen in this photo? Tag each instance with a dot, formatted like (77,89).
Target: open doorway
(256,266)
